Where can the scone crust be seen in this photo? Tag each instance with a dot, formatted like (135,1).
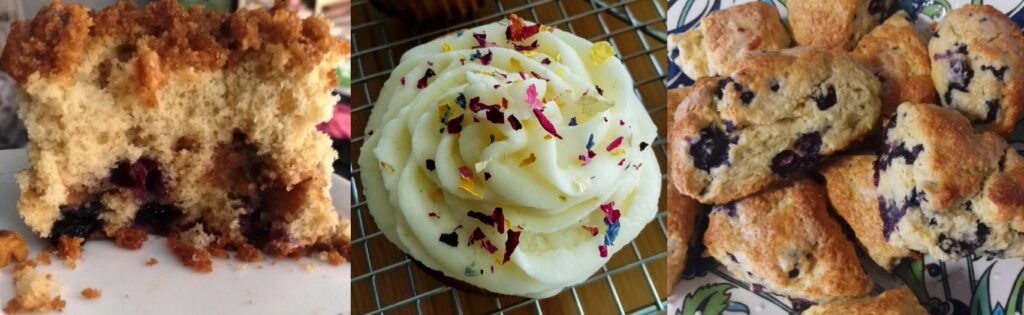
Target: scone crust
(897,55)
(949,209)
(848,181)
(783,238)
(682,215)
(988,49)
(756,117)
(835,24)
(899,301)
(730,33)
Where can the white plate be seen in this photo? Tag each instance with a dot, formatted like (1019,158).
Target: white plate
(131,287)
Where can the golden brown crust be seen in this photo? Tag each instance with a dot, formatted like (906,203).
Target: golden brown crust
(950,134)
(895,53)
(891,302)
(1006,191)
(732,32)
(675,98)
(199,259)
(682,214)
(784,239)
(853,195)
(52,43)
(69,249)
(826,24)
(12,248)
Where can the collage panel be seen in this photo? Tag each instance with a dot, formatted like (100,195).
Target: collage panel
(845,157)
(478,120)
(175,157)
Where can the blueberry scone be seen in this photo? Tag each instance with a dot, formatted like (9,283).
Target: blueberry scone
(682,215)
(834,24)
(784,240)
(848,181)
(895,53)
(724,36)
(977,54)
(948,191)
(899,301)
(779,113)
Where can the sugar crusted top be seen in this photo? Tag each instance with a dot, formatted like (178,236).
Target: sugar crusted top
(52,43)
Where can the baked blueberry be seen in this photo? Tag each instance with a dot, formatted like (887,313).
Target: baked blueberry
(711,149)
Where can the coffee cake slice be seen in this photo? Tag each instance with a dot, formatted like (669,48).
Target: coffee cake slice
(166,118)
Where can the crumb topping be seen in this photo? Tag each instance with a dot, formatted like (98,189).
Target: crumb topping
(248,253)
(52,43)
(69,249)
(131,237)
(92,293)
(152,262)
(198,259)
(12,246)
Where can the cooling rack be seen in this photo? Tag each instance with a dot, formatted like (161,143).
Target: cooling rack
(385,281)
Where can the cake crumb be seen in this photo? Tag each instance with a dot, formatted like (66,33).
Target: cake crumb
(334,258)
(308,267)
(217,252)
(151,262)
(70,250)
(43,258)
(34,291)
(131,237)
(248,253)
(92,293)
(12,246)
(198,259)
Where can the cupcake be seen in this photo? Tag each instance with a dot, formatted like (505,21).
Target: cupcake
(430,10)
(512,157)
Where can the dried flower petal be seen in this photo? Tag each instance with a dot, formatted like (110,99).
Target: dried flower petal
(591,229)
(528,160)
(601,52)
(545,123)
(486,219)
(518,30)
(603,249)
(614,144)
(454,125)
(611,214)
(422,83)
(446,47)
(510,245)
(498,216)
(476,236)
(514,122)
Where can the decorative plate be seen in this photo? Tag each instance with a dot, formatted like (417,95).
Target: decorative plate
(979,286)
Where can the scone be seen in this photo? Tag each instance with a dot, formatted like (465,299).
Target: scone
(725,36)
(784,240)
(168,118)
(946,190)
(681,222)
(779,113)
(513,157)
(848,181)
(895,53)
(834,24)
(978,66)
(899,301)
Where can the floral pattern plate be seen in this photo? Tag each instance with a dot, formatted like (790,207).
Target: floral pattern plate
(978,286)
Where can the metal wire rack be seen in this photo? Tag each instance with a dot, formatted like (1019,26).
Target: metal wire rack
(386,281)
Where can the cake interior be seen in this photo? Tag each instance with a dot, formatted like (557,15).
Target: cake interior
(193,125)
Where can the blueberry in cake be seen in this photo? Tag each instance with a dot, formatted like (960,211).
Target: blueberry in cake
(948,191)
(784,240)
(779,113)
(724,36)
(174,119)
(848,181)
(976,55)
(835,24)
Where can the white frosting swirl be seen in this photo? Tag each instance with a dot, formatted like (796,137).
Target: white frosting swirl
(414,157)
